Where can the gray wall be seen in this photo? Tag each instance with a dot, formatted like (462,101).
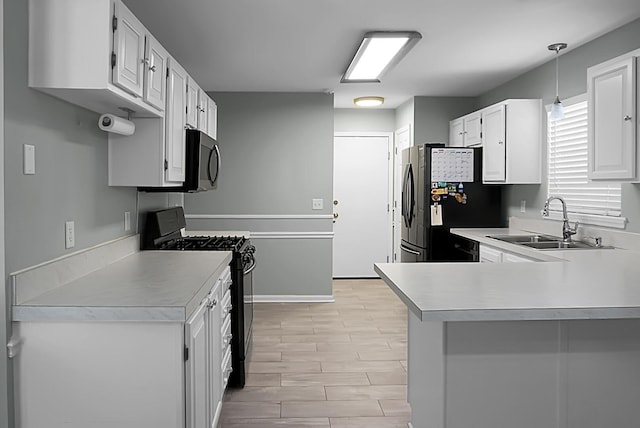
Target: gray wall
(432,116)
(364,120)
(71,170)
(277,151)
(540,83)
(4,390)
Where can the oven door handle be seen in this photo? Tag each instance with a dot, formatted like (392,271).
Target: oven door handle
(252,266)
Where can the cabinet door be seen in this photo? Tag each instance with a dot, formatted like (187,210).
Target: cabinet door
(197,369)
(473,130)
(212,121)
(193,91)
(612,120)
(175,122)
(456,133)
(128,46)
(215,351)
(203,115)
(494,144)
(155,61)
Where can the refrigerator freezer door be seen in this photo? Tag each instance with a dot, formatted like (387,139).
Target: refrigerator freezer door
(411,253)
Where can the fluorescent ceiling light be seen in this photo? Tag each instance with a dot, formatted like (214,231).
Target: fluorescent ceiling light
(378,52)
(368,101)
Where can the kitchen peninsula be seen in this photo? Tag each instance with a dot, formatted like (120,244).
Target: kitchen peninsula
(554,343)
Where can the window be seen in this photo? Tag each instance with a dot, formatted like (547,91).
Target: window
(594,202)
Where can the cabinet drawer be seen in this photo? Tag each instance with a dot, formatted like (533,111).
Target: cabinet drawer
(225,333)
(226,368)
(226,304)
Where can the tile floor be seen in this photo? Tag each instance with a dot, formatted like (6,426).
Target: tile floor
(326,365)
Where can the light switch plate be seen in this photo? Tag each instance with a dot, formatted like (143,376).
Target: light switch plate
(317,204)
(29,159)
(523,206)
(127,221)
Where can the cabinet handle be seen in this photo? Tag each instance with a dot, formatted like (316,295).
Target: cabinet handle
(627,117)
(500,142)
(146,62)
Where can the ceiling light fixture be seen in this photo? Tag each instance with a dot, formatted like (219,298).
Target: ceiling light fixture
(557,110)
(377,53)
(368,101)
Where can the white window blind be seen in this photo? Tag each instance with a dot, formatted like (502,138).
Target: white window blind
(567,142)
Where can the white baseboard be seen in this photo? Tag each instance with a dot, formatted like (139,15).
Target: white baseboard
(292,298)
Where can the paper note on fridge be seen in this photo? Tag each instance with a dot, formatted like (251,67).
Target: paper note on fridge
(436,215)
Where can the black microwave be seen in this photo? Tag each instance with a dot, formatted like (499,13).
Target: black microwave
(202,162)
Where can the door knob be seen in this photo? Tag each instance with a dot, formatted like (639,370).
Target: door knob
(335,202)
(335,215)
(627,118)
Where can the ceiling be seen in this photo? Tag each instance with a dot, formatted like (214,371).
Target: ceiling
(468,46)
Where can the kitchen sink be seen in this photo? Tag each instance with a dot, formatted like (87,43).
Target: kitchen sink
(523,239)
(546,242)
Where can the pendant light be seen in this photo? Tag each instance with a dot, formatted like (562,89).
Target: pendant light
(557,110)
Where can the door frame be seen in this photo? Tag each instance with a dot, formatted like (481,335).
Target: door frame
(390,183)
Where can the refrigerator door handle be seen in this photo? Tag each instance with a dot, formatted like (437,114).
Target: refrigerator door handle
(404,196)
(411,201)
(409,250)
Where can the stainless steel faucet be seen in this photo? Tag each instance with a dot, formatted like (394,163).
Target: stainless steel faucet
(567,230)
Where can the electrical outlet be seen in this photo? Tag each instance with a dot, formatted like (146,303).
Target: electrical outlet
(69,234)
(29,158)
(316,204)
(127,221)
(523,206)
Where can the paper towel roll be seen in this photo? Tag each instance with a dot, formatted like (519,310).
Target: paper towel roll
(116,124)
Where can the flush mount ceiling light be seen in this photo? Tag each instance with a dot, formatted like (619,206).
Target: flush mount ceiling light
(378,52)
(557,110)
(368,101)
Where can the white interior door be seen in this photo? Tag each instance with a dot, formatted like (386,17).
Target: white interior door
(402,141)
(361,191)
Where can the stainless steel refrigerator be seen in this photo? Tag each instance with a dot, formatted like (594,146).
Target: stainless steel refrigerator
(442,188)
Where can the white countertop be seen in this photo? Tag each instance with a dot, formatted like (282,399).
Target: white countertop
(144,286)
(572,284)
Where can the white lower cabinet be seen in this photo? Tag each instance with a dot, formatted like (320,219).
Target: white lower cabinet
(125,374)
(208,345)
(490,254)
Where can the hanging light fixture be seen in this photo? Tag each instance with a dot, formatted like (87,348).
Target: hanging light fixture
(557,110)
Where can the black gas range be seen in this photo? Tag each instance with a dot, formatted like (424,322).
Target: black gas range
(163,231)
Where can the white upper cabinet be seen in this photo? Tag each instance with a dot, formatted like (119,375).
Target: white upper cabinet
(90,53)
(456,133)
(510,133)
(612,92)
(175,120)
(203,106)
(466,131)
(193,108)
(212,119)
(128,51)
(512,142)
(494,165)
(155,63)
(473,130)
